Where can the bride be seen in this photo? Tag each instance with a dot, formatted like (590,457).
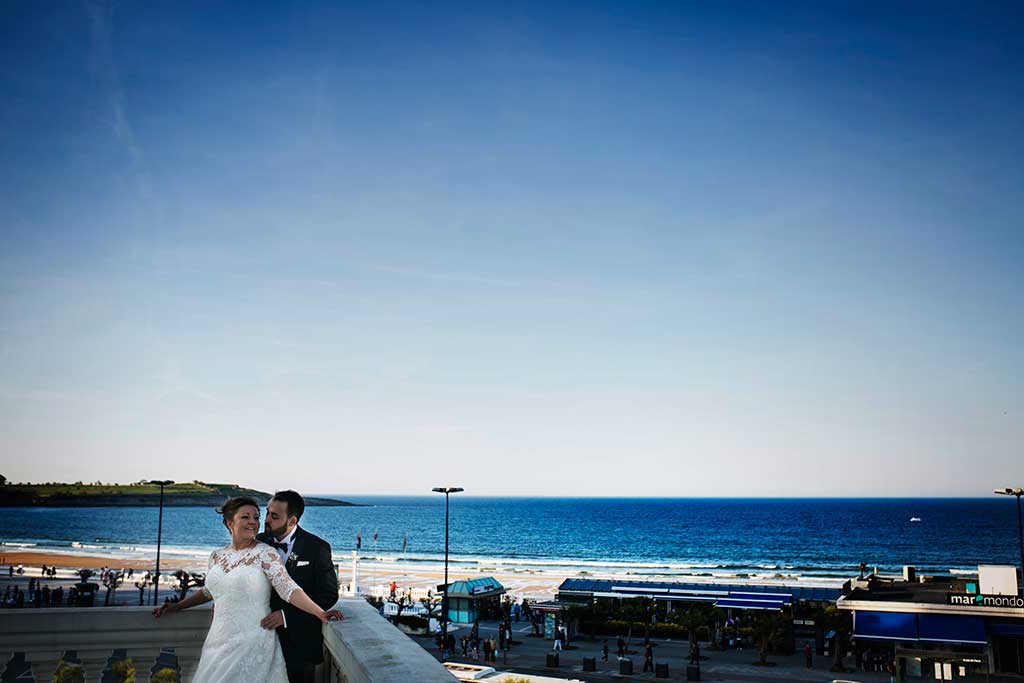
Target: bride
(239,579)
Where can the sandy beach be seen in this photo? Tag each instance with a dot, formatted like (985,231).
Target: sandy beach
(372,578)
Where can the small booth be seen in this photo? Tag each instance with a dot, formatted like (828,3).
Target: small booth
(467,599)
(551,614)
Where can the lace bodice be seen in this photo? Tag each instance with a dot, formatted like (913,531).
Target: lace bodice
(259,556)
(237,648)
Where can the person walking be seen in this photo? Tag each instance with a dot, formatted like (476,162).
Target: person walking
(604,651)
(648,658)
(620,646)
(808,656)
(557,647)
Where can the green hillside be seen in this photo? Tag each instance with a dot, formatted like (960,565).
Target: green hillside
(184,494)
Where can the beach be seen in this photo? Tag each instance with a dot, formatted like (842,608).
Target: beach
(373,578)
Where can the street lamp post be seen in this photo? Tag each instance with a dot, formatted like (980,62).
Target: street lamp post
(159,533)
(446,490)
(1020,527)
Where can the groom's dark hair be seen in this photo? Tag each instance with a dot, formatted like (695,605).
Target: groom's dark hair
(293,501)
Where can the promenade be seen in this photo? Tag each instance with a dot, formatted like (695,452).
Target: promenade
(528,656)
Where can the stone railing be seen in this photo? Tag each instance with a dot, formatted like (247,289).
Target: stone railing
(363,648)
(367,648)
(93,633)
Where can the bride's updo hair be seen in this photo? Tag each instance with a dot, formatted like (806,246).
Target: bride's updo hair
(233,505)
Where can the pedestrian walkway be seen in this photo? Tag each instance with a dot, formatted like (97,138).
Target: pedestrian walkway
(529,655)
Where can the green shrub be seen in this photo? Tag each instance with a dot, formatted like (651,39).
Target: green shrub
(123,671)
(165,676)
(68,673)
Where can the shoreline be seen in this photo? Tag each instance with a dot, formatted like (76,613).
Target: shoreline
(374,577)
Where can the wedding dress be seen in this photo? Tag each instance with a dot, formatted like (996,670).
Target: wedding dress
(237,648)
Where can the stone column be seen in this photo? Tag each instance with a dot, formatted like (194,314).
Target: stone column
(44,664)
(93,663)
(143,659)
(188,662)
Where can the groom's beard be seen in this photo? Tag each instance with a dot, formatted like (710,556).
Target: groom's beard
(277,533)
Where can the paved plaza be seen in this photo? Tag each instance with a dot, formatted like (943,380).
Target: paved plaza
(528,655)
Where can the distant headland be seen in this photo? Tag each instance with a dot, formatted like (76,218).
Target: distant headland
(139,494)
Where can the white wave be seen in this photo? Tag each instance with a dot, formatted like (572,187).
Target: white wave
(12,544)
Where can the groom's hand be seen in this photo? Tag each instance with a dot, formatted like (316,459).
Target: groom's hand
(273,620)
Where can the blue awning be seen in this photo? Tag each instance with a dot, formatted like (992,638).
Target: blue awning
(784,598)
(885,625)
(950,628)
(749,604)
(1000,628)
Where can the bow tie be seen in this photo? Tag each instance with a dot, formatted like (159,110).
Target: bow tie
(279,546)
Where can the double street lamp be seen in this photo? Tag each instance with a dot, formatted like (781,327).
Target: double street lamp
(446,490)
(1020,527)
(159,533)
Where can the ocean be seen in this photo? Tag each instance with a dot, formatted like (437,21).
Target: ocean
(778,540)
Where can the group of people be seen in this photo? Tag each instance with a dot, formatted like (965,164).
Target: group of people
(473,645)
(38,595)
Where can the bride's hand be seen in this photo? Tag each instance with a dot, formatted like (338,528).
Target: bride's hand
(331,615)
(166,608)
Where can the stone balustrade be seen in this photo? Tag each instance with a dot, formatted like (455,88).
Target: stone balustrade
(364,648)
(93,633)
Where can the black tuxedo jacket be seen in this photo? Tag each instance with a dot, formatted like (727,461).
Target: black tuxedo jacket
(310,565)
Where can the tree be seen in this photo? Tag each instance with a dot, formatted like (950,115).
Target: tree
(401,600)
(839,621)
(640,609)
(3,480)
(770,627)
(184,581)
(692,619)
(431,603)
(112,579)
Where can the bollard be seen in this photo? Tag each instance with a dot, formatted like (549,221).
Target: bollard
(590,663)
(625,666)
(693,672)
(661,670)
(552,662)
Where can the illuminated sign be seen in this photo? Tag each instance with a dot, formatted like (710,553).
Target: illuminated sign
(979,600)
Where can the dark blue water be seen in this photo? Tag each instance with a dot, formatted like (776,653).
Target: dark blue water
(763,538)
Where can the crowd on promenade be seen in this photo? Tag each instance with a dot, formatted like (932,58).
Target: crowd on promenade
(51,590)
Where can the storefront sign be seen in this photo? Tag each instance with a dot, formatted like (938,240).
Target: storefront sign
(978,600)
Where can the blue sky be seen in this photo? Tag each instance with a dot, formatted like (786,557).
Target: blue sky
(561,248)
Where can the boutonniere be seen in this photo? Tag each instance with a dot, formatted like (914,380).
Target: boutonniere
(292,558)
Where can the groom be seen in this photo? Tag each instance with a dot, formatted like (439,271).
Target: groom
(308,561)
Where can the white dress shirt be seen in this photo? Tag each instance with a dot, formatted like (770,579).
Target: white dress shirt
(289,540)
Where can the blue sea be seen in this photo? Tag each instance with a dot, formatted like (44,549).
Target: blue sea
(778,540)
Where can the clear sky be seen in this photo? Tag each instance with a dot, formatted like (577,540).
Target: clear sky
(593,248)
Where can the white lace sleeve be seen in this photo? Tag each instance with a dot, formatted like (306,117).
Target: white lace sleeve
(275,571)
(209,565)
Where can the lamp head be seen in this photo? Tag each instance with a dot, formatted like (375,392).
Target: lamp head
(161,482)
(1008,492)
(447,489)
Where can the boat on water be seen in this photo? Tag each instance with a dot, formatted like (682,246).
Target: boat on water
(915,519)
